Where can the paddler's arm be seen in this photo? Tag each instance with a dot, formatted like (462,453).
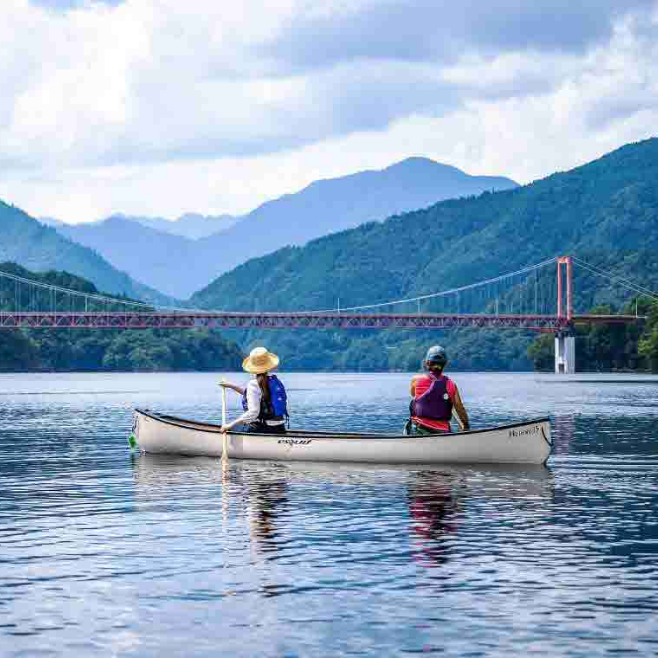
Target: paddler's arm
(233,387)
(253,407)
(462,416)
(412,388)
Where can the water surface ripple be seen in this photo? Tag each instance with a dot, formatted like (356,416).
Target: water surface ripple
(107,553)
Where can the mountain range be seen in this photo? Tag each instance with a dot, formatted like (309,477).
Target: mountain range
(179,266)
(189,225)
(605,211)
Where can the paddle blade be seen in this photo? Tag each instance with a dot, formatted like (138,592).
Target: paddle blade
(132,442)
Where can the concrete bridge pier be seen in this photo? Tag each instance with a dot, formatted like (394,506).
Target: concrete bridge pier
(565,353)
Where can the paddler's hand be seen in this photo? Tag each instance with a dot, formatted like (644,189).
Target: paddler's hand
(226,428)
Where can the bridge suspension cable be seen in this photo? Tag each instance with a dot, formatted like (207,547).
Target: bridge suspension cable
(527,294)
(75,293)
(445,293)
(616,278)
(32,285)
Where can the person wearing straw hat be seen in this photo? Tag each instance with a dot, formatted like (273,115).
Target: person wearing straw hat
(264,400)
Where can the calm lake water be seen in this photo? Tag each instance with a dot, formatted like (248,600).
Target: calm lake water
(107,553)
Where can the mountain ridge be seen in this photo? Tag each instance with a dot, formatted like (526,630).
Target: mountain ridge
(192,226)
(333,210)
(189,225)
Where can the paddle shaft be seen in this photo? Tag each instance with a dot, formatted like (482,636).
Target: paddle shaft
(224,434)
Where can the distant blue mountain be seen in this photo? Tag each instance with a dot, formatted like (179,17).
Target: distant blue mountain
(169,262)
(189,225)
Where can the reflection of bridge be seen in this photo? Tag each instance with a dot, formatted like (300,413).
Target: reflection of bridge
(524,299)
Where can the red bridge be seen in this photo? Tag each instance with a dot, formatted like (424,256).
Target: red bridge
(528,303)
(327,320)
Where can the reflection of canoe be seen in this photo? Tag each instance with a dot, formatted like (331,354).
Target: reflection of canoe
(528,443)
(155,472)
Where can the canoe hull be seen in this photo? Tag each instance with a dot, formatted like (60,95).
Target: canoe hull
(522,443)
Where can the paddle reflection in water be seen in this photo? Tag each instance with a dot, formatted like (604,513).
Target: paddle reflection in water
(267,502)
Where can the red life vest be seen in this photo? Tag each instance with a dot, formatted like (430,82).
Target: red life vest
(433,401)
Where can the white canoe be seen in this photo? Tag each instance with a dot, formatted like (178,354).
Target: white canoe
(521,443)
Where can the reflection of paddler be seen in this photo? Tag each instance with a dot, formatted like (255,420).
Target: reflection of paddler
(268,499)
(433,510)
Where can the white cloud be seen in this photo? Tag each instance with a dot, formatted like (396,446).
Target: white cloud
(162,107)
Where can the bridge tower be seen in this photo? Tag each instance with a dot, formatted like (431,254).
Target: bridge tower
(565,341)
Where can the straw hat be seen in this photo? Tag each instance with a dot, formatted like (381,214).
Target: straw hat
(260,361)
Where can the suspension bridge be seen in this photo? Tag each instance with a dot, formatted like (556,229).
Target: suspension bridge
(539,297)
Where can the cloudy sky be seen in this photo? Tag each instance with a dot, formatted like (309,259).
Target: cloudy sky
(160,107)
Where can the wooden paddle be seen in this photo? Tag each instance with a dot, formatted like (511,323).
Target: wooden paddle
(455,415)
(224,434)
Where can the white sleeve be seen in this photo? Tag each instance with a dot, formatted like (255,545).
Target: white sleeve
(254,396)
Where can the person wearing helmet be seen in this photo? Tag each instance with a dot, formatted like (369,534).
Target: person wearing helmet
(434,397)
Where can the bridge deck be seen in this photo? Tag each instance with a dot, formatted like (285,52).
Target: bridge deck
(226,320)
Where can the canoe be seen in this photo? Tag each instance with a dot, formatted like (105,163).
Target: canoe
(529,442)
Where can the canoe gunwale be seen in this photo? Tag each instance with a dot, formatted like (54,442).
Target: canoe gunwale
(212,428)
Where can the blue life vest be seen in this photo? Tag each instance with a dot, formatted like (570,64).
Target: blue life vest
(278,397)
(278,407)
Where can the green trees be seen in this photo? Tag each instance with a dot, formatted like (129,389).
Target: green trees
(17,351)
(608,347)
(648,347)
(542,353)
(111,349)
(116,350)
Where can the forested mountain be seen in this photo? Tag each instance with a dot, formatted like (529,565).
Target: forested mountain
(605,211)
(148,251)
(106,349)
(26,241)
